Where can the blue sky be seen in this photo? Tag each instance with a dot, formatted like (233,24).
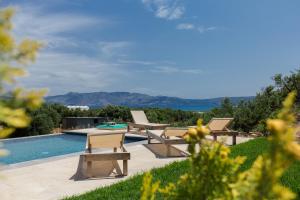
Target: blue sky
(183,48)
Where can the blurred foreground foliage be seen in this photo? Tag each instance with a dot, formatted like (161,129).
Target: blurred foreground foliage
(15,102)
(215,175)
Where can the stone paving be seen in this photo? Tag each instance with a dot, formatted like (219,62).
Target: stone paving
(51,179)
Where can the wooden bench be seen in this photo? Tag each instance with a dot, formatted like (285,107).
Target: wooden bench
(107,140)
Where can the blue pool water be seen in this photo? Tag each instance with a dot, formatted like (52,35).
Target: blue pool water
(114,126)
(26,149)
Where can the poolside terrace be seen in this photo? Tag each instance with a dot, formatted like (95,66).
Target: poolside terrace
(53,178)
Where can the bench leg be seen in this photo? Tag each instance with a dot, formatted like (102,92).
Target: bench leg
(89,169)
(117,167)
(168,150)
(125,167)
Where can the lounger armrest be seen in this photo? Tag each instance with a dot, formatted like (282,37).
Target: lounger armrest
(227,132)
(231,131)
(123,149)
(227,129)
(107,133)
(153,126)
(165,140)
(130,124)
(106,156)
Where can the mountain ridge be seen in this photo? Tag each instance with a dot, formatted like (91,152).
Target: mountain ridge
(136,100)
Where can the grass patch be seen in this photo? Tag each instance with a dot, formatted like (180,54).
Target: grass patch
(251,150)
(254,148)
(130,188)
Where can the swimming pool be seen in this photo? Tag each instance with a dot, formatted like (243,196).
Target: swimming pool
(32,148)
(112,126)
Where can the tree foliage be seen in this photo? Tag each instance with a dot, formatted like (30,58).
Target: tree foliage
(248,115)
(49,117)
(252,115)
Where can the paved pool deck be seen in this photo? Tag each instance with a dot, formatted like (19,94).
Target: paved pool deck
(52,178)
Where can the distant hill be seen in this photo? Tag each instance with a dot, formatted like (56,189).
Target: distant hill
(137,100)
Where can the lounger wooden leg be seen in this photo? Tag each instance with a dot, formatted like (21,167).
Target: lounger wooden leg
(89,169)
(117,167)
(149,139)
(234,139)
(168,150)
(125,167)
(215,137)
(128,128)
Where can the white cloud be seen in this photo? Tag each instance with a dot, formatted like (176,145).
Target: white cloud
(75,63)
(166,9)
(136,62)
(113,48)
(200,29)
(185,26)
(33,22)
(203,29)
(173,69)
(65,72)
(158,66)
(69,62)
(145,90)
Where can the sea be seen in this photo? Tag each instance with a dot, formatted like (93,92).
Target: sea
(202,108)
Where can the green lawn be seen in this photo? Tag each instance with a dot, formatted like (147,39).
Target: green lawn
(130,189)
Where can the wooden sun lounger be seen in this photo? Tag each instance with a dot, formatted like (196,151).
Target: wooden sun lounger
(106,140)
(148,125)
(169,136)
(141,122)
(219,126)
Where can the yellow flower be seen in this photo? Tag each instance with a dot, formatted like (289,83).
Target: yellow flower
(3,152)
(276,125)
(6,41)
(199,122)
(184,177)
(27,50)
(289,101)
(192,132)
(6,15)
(283,192)
(4,132)
(35,98)
(224,152)
(15,117)
(294,149)
(203,130)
